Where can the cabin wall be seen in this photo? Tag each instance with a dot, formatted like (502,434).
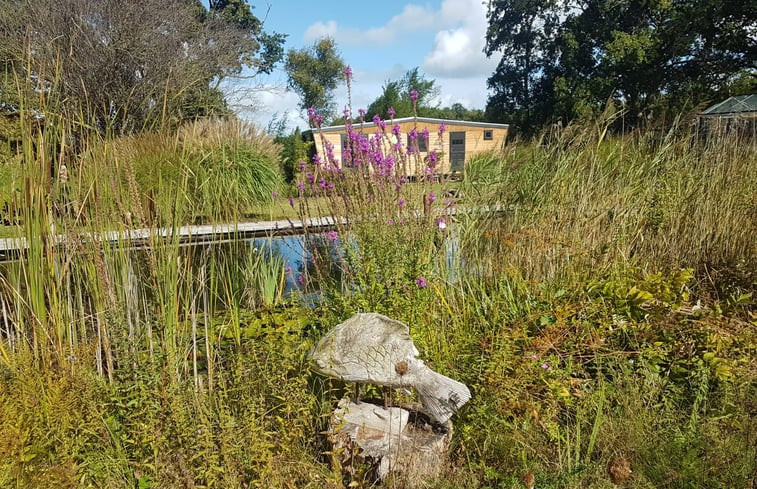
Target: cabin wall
(476,141)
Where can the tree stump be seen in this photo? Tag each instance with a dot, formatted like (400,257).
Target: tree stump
(400,443)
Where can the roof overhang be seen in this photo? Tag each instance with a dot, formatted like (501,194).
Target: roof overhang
(428,120)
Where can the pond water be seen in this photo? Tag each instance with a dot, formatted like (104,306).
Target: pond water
(292,250)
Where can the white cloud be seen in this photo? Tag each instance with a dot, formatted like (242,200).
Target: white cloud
(413,18)
(319,30)
(458,51)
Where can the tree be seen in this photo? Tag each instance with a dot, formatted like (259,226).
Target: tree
(564,59)
(314,72)
(396,94)
(128,65)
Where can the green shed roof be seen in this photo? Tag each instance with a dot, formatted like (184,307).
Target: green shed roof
(733,105)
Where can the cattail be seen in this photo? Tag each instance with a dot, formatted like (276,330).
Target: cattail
(619,469)
(529,480)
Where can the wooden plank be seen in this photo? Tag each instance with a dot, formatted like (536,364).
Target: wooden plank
(195,234)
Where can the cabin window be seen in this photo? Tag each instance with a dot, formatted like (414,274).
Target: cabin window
(488,134)
(422,143)
(345,143)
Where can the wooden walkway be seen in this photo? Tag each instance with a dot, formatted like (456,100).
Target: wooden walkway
(11,248)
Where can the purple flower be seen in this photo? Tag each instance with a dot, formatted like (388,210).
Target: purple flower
(381,124)
(414,95)
(421,282)
(442,128)
(291,202)
(348,72)
(400,202)
(413,134)
(288,270)
(546,366)
(389,222)
(441,223)
(301,279)
(301,186)
(361,113)
(302,165)
(396,129)
(424,134)
(390,112)
(332,236)
(431,197)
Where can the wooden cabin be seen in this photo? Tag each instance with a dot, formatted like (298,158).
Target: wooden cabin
(457,143)
(733,117)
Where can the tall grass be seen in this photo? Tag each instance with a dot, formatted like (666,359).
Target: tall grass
(570,309)
(587,202)
(138,353)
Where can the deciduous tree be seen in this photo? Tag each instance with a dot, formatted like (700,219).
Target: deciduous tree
(128,65)
(314,72)
(564,59)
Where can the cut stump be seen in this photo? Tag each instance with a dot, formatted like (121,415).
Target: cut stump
(400,443)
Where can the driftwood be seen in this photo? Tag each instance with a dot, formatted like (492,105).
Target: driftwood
(407,444)
(396,443)
(371,348)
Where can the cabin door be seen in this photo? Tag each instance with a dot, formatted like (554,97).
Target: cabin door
(457,151)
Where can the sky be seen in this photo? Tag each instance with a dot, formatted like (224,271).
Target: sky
(380,41)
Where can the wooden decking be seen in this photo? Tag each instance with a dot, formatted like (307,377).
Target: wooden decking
(11,248)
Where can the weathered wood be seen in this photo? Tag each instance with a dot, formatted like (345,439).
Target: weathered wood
(371,348)
(395,443)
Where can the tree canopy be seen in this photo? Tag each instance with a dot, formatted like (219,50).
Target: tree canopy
(314,72)
(127,65)
(561,59)
(396,94)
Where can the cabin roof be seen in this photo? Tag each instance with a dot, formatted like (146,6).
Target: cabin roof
(430,120)
(733,105)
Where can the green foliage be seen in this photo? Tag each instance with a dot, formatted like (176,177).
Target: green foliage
(396,94)
(560,62)
(595,293)
(294,149)
(219,169)
(314,73)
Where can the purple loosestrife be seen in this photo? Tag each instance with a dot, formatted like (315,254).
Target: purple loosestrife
(390,112)
(396,129)
(291,202)
(379,123)
(315,118)
(348,72)
(442,128)
(361,113)
(431,197)
(421,282)
(414,95)
(332,236)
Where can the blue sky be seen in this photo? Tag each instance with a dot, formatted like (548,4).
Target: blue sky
(380,41)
